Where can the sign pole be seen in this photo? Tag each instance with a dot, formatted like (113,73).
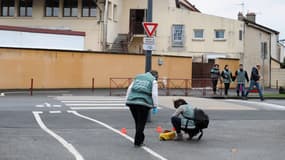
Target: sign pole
(148,56)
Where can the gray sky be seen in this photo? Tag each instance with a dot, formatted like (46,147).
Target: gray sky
(270,13)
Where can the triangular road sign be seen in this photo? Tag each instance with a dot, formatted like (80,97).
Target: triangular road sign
(150,28)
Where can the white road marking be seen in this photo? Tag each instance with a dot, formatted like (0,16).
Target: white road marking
(54,112)
(102,108)
(88,98)
(56,106)
(40,106)
(2,94)
(47,104)
(93,101)
(65,144)
(264,104)
(118,132)
(99,108)
(96,104)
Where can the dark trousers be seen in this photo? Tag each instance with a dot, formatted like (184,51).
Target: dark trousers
(214,82)
(140,114)
(240,88)
(176,123)
(227,86)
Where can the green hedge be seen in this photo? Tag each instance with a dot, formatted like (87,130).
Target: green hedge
(282,90)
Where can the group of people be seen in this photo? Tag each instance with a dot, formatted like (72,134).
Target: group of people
(142,96)
(240,76)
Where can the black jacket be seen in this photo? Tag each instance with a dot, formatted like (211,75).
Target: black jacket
(254,74)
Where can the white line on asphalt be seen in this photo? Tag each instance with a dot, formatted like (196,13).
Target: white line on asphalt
(2,94)
(40,106)
(54,112)
(87,98)
(275,106)
(65,144)
(99,108)
(118,132)
(93,101)
(56,106)
(47,104)
(95,104)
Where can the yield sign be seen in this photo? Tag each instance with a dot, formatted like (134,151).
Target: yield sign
(150,28)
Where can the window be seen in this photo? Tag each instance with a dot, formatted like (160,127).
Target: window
(115,12)
(178,35)
(88,8)
(219,34)
(109,10)
(7,8)
(26,8)
(198,33)
(264,50)
(70,8)
(51,8)
(240,35)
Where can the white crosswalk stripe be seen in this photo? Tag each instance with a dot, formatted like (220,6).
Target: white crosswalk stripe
(48,105)
(93,103)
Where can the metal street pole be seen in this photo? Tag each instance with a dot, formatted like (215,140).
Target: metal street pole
(148,56)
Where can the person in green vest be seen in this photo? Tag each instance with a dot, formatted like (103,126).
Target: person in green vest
(241,76)
(227,78)
(142,95)
(215,75)
(178,120)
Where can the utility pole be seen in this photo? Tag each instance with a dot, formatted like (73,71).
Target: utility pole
(148,56)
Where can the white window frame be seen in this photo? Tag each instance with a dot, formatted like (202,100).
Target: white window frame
(198,38)
(178,40)
(218,38)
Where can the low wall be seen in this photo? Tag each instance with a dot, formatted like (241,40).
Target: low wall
(67,69)
(277,77)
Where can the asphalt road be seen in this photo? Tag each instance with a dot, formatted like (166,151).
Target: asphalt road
(53,127)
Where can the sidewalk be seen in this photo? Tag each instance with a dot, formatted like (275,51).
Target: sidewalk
(203,103)
(202,93)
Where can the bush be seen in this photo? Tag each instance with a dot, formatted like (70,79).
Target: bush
(282,90)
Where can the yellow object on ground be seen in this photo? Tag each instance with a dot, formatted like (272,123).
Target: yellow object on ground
(167,135)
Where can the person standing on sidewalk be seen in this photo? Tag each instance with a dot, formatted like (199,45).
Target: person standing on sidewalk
(241,76)
(215,75)
(142,95)
(254,81)
(227,78)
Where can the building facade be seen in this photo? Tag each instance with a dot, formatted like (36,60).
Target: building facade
(260,46)
(116,25)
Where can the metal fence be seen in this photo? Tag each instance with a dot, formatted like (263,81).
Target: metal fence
(168,87)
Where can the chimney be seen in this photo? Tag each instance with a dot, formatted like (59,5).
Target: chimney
(251,16)
(240,16)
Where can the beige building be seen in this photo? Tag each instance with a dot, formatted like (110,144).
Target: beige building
(260,47)
(117,24)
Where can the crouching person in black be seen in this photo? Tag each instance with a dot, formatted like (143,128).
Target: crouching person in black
(188,119)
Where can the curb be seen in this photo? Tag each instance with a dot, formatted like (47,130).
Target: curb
(268,98)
